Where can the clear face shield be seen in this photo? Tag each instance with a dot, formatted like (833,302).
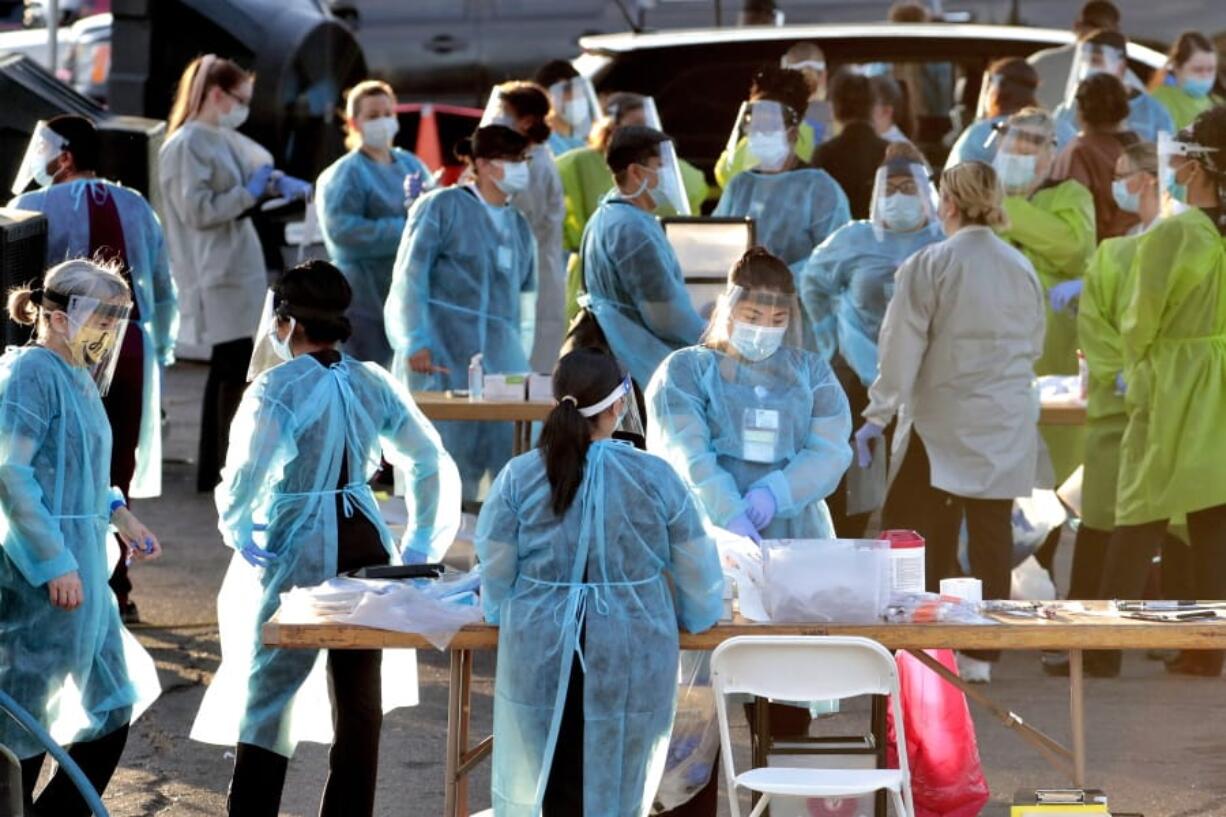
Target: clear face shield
(622,397)
(270,350)
(575,101)
(769,130)
(95,332)
(671,186)
(495,112)
(1024,157)
(44,147)
(904,200)
(1090,59)
(753,324)
(1176,160)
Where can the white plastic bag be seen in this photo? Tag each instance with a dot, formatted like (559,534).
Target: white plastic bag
(694,744)
(843,580)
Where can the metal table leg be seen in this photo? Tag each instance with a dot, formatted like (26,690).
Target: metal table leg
(1076,677)
(455,712)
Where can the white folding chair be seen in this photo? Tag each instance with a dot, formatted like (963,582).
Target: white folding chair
(807,668)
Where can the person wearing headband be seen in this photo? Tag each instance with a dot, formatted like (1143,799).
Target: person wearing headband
(463,284)
(362,200)
(1174,358)
(593,555)
(68,660)
(211,177)
(90,217)
(817,206)
(296,507)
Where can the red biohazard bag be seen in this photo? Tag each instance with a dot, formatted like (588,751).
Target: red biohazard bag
(946,775)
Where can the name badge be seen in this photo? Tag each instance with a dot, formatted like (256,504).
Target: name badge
(760,435)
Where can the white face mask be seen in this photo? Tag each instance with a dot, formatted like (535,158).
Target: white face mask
(514,177)
(1017,171)
(754,342)
(44,177)
(235,117)
(902,212)
(577,113)
(379,133)
(282,348)
(770,148)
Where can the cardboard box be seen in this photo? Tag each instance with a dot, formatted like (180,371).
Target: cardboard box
(540,386)
(505,387)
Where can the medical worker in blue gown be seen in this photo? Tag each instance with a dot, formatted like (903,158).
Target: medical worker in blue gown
(794,207)
(633,281)
(593,554)
(464,285)
(1105,52)
(295,505)
(89,217)
(363,199)
(65,657)
(845,288)
(757,428)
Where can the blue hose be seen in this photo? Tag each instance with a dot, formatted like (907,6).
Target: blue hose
(17,713)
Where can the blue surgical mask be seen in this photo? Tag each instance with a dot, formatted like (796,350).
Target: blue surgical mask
(1178,192)
(1017,171)
(282,348)
(1125,200)
(754,342)
(1198,87)
(902,212)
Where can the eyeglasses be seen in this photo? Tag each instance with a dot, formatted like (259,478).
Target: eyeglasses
(239,99)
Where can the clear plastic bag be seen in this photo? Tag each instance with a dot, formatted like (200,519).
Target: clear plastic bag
(694,745)
(843,580)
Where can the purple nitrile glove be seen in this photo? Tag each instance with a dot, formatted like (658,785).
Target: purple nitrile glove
(413,185)
(761,508)
(257,556)
(868,432)
(741,526)
(1063,294)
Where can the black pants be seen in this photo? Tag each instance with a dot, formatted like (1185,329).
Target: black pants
(97,759)
(222,392)
(853,526)
(564,790)
(124,405)
(1133,546)
(913,503)
(355,688)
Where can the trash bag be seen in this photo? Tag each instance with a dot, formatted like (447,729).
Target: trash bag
(946,775)
(1032,582)
(694,745)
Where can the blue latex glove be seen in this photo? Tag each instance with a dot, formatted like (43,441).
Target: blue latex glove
(1062,295)
(762,507)
(741,526)
(257,556)
(412,188)
(292,188)
(1121,388)
(868,432)
(257,185)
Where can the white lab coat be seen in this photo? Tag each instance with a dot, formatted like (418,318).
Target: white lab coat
(215,255)
(957,352)
(544,205)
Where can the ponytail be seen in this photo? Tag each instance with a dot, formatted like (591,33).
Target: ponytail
(583,377)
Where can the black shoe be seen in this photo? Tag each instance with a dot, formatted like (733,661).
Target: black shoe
(128,613)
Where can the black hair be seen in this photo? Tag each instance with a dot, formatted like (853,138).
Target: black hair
(759,269)
(633,145)
(581,378)
(1018,84)
(1107,37)
(787,86)
(553,72)
(316,295)
(851,96)
(492,142)
(1102,101)
(1098,14)
(622,103)
(82,138)
(528,99)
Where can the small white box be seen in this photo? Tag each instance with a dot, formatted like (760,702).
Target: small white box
(540,386)
(505,387)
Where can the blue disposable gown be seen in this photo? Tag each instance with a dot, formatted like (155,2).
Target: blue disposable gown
(793,211)
(697,407)
(456,291)
(847,284)
(362,215)
(78,672)
(971,144)
(1146,116)
(626,565)
(636,287)
(559,144)
(67,214)
(279,489)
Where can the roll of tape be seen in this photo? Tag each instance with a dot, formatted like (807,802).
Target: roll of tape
(966,589)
